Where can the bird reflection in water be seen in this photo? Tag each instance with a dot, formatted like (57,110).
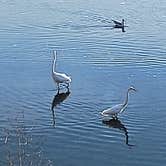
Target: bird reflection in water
(116,123)
(58,98)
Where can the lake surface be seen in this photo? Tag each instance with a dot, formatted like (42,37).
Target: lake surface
(103,62)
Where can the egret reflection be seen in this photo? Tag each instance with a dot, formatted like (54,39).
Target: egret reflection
(116,123)
(58,98)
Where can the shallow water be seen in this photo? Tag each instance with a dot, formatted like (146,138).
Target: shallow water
(103,63)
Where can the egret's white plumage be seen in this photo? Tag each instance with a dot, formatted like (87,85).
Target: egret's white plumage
(119,108)
(59,77)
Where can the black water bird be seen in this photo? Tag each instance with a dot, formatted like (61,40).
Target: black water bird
(118,24)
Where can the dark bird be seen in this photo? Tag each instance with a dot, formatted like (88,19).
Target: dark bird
(118,24)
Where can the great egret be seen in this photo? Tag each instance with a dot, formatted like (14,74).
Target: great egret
(59,77)
(119,108)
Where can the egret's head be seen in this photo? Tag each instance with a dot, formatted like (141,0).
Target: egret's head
(54,54)
(69,79)
(132,88)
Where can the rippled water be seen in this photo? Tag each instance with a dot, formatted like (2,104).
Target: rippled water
(103,63)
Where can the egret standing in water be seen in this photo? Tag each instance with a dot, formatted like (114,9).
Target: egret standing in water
(59,77)
(119,108)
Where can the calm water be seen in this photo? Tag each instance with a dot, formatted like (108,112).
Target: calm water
(103,63)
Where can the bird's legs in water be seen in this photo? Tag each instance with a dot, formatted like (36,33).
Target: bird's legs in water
(53,116)
(115,117)
(67,86)
(58,87)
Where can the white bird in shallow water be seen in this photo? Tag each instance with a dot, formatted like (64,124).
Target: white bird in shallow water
(59,77)
(119,108)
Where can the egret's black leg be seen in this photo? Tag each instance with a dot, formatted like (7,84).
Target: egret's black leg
(115,117)
(67,86)
(58,87)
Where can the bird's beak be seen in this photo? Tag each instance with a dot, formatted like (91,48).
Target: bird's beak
(135,90)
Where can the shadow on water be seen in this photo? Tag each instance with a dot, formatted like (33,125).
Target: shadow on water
(116,123)
(58,98)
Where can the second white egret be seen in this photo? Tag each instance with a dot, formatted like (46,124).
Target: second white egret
(119,108)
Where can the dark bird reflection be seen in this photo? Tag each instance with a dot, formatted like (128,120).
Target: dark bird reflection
(117,27)
(58,98)
(116,123)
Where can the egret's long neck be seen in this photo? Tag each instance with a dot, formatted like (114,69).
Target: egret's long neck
(54,63)
(53,66)
(127,97)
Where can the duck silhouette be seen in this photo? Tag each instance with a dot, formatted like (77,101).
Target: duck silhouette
(118,24)
(116,123)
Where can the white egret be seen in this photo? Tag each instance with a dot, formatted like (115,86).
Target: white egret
(59,77)
(119,108)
